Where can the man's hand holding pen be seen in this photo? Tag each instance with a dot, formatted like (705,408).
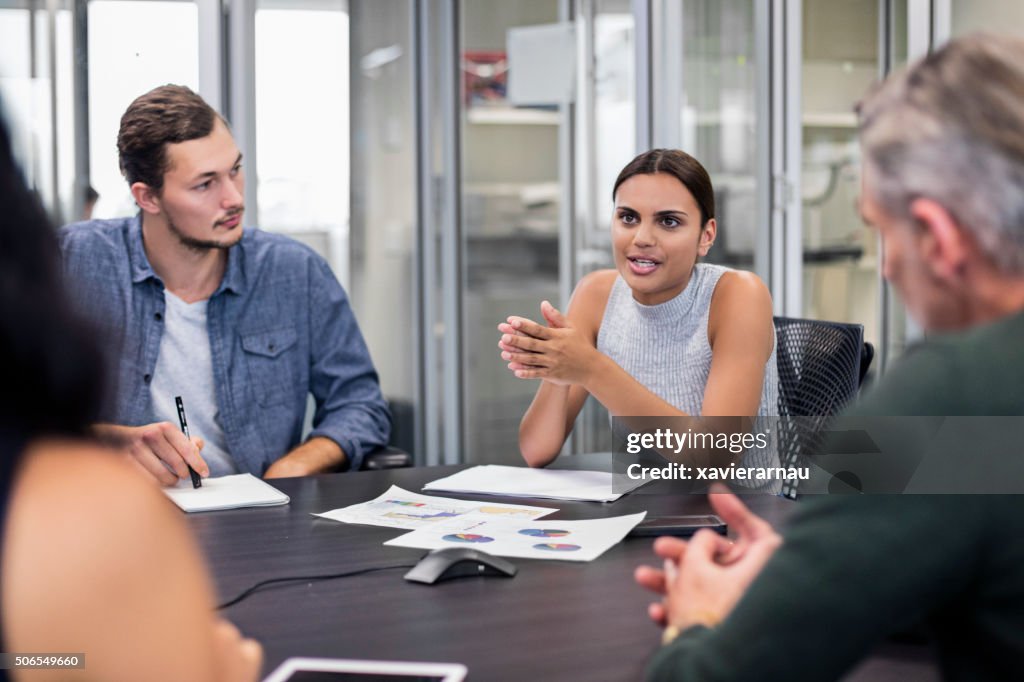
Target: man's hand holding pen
(161,449)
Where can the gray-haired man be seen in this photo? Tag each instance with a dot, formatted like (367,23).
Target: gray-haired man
(943,185)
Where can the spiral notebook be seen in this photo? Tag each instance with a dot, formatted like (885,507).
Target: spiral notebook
(225,492)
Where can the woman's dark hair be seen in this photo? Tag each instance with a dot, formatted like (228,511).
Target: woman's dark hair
(51,376)
(683,168)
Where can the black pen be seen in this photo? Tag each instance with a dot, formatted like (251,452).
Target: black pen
(197,482)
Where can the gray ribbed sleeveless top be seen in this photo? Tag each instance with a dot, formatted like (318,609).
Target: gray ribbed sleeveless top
(665,347)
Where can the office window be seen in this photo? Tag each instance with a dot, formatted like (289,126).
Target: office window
(17,92)
(302,124)
(35,99)
(133,47)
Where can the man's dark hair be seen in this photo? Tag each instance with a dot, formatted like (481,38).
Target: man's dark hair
(165,115)
(681,166)
(51,376)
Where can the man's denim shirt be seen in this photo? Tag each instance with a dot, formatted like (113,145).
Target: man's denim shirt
(280,327)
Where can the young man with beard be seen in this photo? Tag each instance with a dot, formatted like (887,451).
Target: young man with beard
(242,324)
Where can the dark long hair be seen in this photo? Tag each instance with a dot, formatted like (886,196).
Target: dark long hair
(51,377)
(683,168)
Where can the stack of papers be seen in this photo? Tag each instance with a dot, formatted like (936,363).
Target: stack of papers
(509,530)
(398,508)
(563,540)
(225,492)
(554,484)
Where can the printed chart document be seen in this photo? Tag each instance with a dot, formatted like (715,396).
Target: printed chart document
(225,492)
(398,508)
(554,484)
(562,540)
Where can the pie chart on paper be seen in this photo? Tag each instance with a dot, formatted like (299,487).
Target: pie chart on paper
(557,547)
(543,533)
(467,537)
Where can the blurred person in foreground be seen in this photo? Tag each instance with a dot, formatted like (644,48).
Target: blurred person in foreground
(943,184)
(83,536)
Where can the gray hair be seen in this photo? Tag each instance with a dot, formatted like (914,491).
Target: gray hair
(951,128)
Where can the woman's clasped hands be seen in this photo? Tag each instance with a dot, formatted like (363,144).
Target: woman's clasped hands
(559,353)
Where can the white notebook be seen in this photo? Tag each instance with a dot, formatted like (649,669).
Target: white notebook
(225,492)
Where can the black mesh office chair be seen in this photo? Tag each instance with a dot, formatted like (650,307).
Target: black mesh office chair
(821,366)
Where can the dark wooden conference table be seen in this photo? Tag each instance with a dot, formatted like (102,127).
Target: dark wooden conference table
(555,620)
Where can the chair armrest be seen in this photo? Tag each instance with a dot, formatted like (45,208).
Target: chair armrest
(387,457)
(867,354)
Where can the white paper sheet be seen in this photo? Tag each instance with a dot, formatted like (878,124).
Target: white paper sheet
(555,484)
(560,540)
(225,492)
(398,508)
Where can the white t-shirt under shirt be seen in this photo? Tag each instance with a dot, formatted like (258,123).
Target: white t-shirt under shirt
(184,368)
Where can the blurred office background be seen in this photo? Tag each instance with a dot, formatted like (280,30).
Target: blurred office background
(453,159)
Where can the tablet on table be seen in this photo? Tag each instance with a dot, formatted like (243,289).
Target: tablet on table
(352,670)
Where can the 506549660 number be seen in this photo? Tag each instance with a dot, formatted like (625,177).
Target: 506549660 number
(41,661)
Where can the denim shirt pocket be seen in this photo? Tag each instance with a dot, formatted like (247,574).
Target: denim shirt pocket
(270,365)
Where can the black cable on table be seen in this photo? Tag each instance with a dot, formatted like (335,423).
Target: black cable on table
(308,578)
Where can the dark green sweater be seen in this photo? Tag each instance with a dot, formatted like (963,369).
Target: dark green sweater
(853,569)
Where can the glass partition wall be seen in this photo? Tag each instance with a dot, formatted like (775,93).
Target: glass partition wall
(841,58)
(384,239)
(706,89)
(511,203)
(607,138)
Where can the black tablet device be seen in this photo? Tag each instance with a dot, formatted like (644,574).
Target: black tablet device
(680,526)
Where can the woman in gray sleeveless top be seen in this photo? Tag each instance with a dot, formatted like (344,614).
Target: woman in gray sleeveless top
(662,335)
